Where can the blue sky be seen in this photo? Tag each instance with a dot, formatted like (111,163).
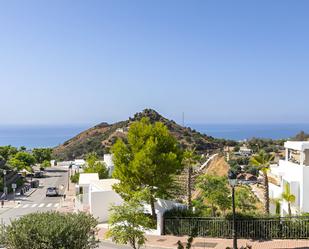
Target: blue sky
(65,62)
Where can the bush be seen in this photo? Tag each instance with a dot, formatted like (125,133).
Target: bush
(45,164)
(75,178)
(51,230)
(180,212)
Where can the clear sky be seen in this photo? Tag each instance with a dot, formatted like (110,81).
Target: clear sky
(227,61)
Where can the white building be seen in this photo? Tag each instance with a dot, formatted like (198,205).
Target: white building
(244,151)
(108,160)
(96,196)
(83,188)
(78,163)
(294,170)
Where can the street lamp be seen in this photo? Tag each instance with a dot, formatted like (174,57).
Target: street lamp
(233,182)
(4,184)
(69,169)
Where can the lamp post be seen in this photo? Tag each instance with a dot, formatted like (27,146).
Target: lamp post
(69,169)
(233,182)
(4,184)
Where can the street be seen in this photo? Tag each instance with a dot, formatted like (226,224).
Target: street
(37,201)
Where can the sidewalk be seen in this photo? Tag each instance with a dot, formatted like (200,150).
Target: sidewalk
(68,205)
(203,243)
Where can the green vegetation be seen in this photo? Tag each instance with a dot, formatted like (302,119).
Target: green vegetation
(22,160)
(188,244)
(75,178)
(189,160)
(13,158)
(268,145)
(288,197)
(181,212)
(51,230)
(45,164)
(149,159)
(215,191)
(7,151)
(245,199)
(263,160)
(42,154)
(128,222)
(95,166)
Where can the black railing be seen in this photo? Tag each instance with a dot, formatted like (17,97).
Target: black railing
(259,228)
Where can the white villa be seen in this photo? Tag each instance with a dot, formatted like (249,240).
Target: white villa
(294,170)
(97,196)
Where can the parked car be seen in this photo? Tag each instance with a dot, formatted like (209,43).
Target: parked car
(38,174)
(52,191)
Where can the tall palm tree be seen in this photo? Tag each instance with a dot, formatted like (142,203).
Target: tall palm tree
(288,196)
(189,159)
(263,160)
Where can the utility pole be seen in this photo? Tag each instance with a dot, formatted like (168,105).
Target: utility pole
(183,119)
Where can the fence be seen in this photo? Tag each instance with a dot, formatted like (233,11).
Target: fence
(266,228)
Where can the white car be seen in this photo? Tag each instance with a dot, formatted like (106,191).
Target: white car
(52,191)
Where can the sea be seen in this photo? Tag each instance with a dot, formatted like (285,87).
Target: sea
(51,136)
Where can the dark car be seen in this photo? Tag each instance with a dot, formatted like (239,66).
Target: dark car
(38,174)
(52,191)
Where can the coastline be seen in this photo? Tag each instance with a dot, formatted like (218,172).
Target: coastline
(51,136)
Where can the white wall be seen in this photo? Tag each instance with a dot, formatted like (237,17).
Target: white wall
(296,176)
(100,203)
(305,192)
(108,160)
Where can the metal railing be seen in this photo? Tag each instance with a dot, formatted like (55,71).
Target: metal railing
(259,228)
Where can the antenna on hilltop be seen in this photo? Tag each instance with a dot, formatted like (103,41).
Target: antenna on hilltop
(183,119)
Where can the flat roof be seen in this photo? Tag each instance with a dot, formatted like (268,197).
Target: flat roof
(104,184)
(87,178)
(297,145)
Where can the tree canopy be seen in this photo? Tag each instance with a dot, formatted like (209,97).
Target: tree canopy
(22,160)
(128,222)
(215,191)
(95,166)
(42,154)
(149,159)
(7,151)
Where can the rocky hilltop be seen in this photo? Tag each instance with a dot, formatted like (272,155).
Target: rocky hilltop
(101,137)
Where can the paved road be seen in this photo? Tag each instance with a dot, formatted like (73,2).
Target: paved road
(37,201)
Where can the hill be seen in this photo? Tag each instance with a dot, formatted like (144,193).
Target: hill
(101,137)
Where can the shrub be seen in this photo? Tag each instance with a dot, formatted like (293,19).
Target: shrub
(188,245)
(128,223)
(180,212)
(51,230)
(45,164)
(75,178)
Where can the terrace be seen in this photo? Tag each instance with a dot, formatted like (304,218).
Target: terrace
(297,153)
